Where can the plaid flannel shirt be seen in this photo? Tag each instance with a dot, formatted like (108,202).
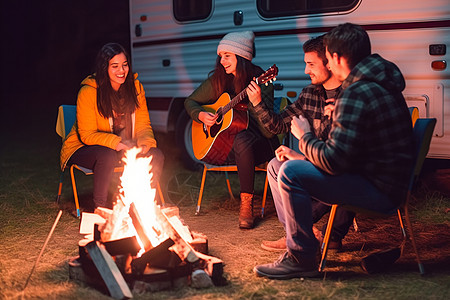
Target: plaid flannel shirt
(310,104)
(371,134)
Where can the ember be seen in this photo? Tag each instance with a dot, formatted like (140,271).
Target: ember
(140,246)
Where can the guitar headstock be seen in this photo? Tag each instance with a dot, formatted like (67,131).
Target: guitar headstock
(269,75)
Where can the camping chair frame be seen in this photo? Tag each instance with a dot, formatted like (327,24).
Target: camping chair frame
(279,104)
(423,131)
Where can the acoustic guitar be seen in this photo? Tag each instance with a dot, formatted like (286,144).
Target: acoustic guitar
(213,144)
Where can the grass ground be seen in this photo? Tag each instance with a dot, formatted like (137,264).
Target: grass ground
(28,182)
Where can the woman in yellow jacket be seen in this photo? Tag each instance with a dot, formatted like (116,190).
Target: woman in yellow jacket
(112,116)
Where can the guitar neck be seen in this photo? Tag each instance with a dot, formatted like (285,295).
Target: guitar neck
(238,98)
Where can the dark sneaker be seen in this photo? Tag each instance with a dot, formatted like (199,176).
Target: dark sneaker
(287,267)
(279,245)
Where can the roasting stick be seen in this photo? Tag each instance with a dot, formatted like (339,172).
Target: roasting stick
(43,247)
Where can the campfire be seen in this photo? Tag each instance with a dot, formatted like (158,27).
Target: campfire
(138,246)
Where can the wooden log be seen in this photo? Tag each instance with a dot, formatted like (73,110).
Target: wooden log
(199,242)
(181,247)
(128,245)
(109,271)
(213,266)
(80,272)
(158,257)
(87,222)
(137,223)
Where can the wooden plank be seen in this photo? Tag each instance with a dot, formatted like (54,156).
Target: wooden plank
(128,245)
(158,257)
(213,266)
(109,271)
(137,223)
(181,247)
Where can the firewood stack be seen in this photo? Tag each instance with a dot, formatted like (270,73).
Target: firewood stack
(123,262)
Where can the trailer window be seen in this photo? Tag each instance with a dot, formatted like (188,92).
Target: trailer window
(284,8)
(191,10)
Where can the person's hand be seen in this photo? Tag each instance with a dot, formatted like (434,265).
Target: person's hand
(254,93)
(329,107)
(284,153)
(299,126)
(125,145)
(207,118)
(121,146)
(144,149)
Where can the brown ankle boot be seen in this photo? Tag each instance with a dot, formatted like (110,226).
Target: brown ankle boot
(246,219)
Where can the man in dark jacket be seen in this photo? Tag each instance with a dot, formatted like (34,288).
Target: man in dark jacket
(366,159)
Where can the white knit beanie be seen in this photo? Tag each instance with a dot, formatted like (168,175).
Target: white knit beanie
(239,43)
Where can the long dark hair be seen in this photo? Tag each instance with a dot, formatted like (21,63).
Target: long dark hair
(107,97)
(223,82)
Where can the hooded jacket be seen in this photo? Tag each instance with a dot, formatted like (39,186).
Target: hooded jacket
(91,128)
(371,134)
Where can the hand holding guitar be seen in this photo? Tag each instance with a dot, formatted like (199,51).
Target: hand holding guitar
(254,93)
(207,118)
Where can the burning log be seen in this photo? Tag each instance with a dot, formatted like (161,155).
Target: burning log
(127,245)
(109,271)
(181,247)
(137,223)
(158,257)
(141,244)
(213,266)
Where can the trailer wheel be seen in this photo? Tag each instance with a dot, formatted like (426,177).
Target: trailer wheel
(184,142)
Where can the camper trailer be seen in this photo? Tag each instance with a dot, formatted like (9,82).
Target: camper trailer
(174,42)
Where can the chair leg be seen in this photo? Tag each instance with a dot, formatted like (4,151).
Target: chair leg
(75,193)
(355,225)
(229,186)
(326,238)
(200,194)
(402,226)
(163,203)
(61,179)
(263,205)
(413,240)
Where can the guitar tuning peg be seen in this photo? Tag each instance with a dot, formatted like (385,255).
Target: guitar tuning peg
(267,83)
(274,79)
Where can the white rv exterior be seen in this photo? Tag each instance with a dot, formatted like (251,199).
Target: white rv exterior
(173,57)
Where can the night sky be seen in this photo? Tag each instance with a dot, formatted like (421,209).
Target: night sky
(48,47)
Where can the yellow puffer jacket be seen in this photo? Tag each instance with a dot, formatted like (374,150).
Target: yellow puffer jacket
(91,128)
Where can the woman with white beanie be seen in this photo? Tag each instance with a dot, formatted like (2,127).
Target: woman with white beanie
(254,145)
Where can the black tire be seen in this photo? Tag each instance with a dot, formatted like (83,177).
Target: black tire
(184,142)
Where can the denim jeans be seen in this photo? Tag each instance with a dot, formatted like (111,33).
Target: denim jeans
(343,219)
(299,182)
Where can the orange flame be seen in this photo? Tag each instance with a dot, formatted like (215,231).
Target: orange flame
(136,188)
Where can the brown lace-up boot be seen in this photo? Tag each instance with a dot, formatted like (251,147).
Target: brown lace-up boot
(246,219)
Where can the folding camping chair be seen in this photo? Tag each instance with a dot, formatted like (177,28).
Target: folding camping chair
(66,118)
(423,131)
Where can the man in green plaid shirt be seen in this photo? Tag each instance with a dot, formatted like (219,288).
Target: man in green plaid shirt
(365,161)
(312,103)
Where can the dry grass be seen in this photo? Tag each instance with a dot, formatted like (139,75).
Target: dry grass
(28,185)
